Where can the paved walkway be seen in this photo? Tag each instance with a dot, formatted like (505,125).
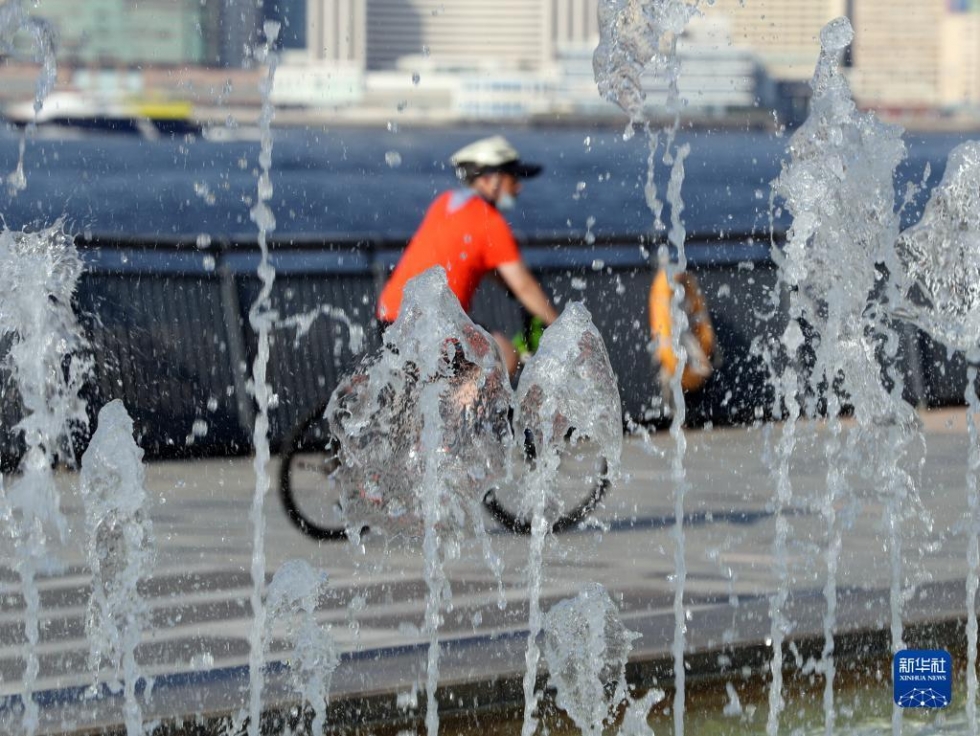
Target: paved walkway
(196,648)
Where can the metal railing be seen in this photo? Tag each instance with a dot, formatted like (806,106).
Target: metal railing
(167,323)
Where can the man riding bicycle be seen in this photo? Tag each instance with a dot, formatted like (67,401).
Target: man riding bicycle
(464,232)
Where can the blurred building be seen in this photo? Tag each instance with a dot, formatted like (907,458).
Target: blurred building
(960,60)
(336,32)
(907,55)
(522,58)
(784,34)
(113,33)
(291,15)
(474,59)
(124,33)
(897,56)
(462,34)
(235,32)
(926,56)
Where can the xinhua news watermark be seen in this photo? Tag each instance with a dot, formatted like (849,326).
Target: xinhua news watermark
(923,678)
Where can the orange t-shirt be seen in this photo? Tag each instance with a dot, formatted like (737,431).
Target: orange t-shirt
(464,234)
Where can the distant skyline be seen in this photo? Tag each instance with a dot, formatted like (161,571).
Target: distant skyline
(907,54)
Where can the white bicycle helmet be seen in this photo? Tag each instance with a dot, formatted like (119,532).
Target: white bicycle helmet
(488,155)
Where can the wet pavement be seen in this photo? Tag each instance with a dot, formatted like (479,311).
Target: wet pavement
(195,650)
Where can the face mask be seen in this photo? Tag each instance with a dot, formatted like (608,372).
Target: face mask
(505,201)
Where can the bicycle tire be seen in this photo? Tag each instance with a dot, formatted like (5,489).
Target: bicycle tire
(296,444)
(517,524)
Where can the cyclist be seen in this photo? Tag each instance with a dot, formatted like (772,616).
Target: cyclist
(465,233)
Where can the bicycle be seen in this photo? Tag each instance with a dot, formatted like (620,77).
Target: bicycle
(310,489)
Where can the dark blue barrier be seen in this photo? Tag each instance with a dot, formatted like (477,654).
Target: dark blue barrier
(160,333)
(169,328)
(320,300)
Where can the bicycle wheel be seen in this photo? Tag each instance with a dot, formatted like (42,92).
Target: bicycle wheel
(581,483)
(309,493)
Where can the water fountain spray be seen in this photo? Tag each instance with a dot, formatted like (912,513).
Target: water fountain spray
(567,395)
(120,552)
(586,646)
(14,20)
(424,433)
(41,271)
(638,38)
(291,601)
(941,295)
(838,188)
(262,318)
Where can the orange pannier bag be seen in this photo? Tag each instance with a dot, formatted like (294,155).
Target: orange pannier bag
(698,340)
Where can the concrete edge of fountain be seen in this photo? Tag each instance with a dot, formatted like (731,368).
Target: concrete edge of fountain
(482,674)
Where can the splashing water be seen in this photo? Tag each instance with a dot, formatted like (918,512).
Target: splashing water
(941,254)
(836,154)
(14,20)
(262,319)
(838,187)
(568,390)
(291,600)
(433,354)
(637,714)
(567,394)
(424,433)
(636,38)
(120,552)
(941,295)
(586,647)
(301,324)
(41,272)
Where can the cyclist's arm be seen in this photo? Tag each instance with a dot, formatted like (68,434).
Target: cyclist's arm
(528,291)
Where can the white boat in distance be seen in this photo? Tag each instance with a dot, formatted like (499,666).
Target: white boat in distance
(75,111)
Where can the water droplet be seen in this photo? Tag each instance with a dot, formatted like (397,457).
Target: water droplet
(393,159)
(426,51)
(392,126)
(203,240)
(416,78)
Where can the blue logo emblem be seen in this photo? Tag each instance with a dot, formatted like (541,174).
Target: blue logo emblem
(923,678)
